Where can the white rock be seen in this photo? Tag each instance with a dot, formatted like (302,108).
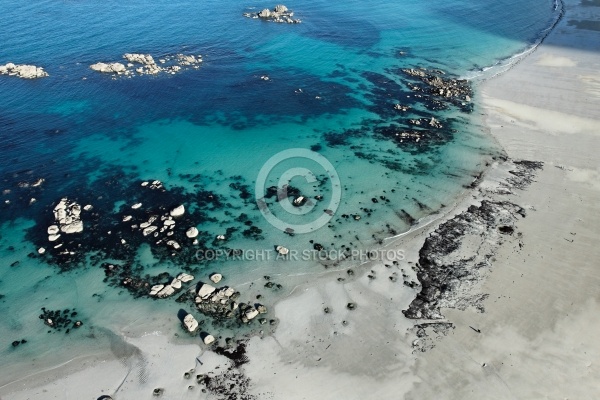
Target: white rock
(177,211)
(192,232)
(221,237)
(176,283)
(169,222)
(173,244)
(208,339)
(167,291)
(149,230)
(266,13)
(53,238)
(205,291)
(136,206)
(108,68)
(155,289)
(282,250)
(73,227)
(88,207)
(298,200)
(23,71)
(41,250)
(183,277)
(216,278)
(53,230)
(251,313)
(145,59)
(127,218)
(144,184)
(190,323)
(144,225)
(229,292)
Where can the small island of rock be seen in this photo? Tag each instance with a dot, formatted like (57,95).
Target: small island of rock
(22,71)
(279,14)
(146,65)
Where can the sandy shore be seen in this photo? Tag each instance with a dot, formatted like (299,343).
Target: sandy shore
(538,335)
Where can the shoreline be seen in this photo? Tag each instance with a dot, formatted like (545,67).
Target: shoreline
(304,327)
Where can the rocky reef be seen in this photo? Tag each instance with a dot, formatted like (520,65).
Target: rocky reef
(439,89)
(457,256)
(144,64)
(22,71)
(279,14)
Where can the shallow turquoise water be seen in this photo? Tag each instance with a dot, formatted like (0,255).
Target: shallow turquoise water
(93,139)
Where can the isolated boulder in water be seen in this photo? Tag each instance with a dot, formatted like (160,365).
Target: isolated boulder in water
(190,323)
(208,339)
(192,232)
(178,211)
(216,278)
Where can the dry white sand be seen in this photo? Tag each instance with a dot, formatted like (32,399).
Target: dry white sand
(539,334)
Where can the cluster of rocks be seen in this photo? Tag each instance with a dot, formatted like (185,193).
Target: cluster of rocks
(144,64)
(417,138)
(67,215)
(67,220)
(221,303)
(161,227)
(441,90)
(60,319)
(22,71)
(166,290)
(279,14)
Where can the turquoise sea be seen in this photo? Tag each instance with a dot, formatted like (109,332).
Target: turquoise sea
(205,133)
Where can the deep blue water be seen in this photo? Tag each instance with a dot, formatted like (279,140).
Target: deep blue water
(94,138)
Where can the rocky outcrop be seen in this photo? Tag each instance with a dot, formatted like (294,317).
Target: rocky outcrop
(458,255)
(23,71)
(441,91)
(67,215)
(279,14)
(144,64)
(109,68)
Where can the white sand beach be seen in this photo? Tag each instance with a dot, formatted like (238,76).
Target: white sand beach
(538,336)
